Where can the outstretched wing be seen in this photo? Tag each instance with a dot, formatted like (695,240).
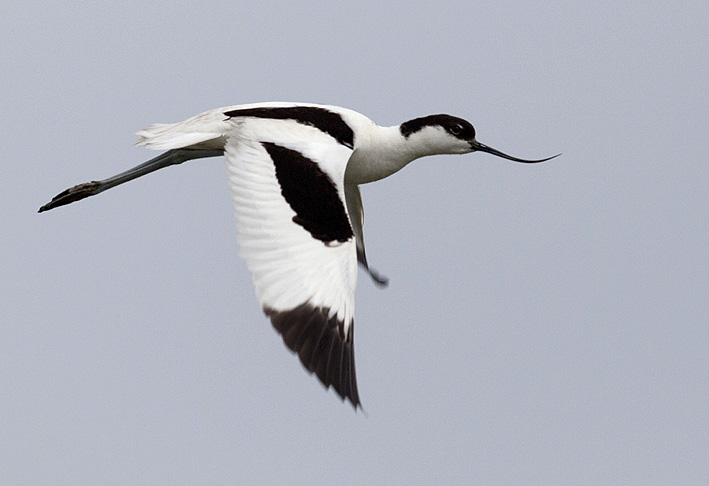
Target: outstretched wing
(287,183)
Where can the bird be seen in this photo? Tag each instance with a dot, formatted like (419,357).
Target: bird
(294,171)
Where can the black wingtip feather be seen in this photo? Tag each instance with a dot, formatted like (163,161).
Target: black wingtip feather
(322,346)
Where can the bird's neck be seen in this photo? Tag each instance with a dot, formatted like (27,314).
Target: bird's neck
(382,152)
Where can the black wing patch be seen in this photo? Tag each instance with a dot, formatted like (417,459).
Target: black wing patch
(311,194)
(324,120)
(322,346)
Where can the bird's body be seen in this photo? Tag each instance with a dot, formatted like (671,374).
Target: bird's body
(294,171)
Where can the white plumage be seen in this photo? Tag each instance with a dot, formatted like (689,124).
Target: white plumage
(293,171)
(289,266)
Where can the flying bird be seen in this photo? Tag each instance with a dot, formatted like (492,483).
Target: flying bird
(294,171)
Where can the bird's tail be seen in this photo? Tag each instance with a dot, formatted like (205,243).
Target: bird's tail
(203,131)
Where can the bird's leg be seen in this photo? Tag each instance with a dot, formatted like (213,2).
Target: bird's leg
(171,157)
(379,279)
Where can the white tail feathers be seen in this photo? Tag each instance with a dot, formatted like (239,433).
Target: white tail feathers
(204,131)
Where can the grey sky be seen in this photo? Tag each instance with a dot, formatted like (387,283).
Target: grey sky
(544,324)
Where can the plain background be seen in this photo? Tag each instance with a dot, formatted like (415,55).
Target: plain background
(544,324)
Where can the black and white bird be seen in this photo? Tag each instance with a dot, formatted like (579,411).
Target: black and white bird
(294,171)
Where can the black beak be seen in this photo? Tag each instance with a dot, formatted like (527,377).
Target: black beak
(477,146)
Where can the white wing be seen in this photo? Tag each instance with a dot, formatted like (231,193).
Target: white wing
(287,184)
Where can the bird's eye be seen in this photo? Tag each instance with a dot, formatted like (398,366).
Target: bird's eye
(456,129)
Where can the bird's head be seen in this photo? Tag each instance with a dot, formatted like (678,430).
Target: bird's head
(446,134)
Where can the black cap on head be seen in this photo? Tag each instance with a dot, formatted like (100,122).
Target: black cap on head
(457,127)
